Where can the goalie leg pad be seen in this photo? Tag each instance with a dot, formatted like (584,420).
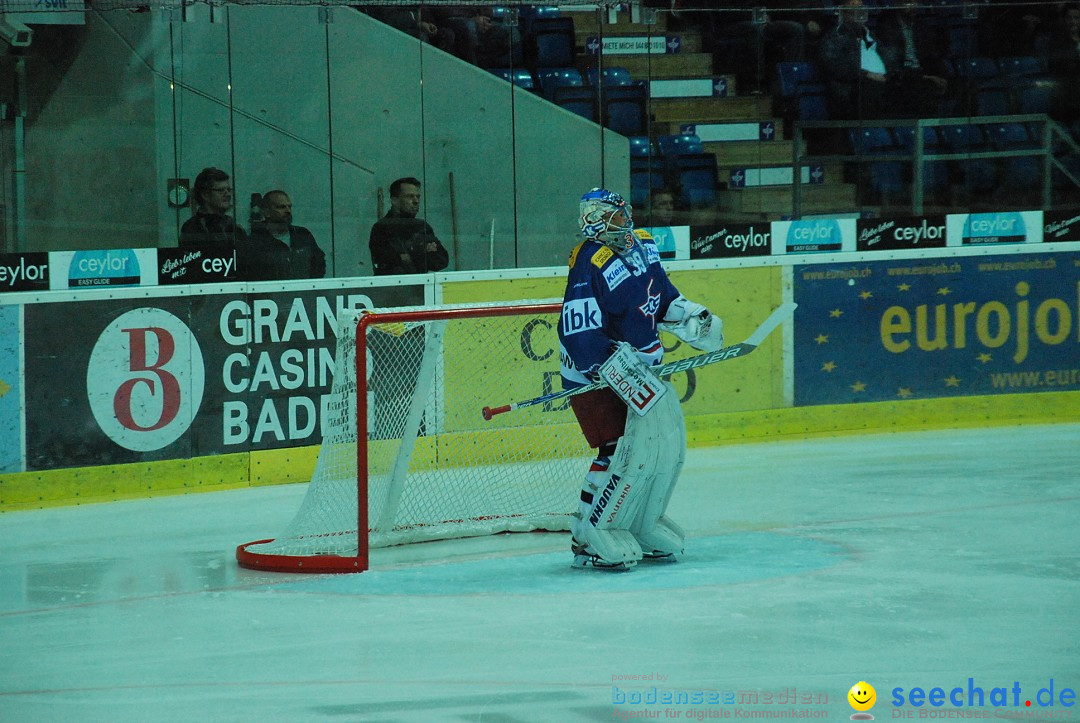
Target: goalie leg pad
(628,489)
(663,430)
(602,511)
(663,541)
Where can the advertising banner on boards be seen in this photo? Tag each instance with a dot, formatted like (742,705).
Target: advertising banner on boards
(195,266)
(730,241)
(177,377)
(813,235)
(1001,227)
(11,392)
(897,234)
(1061,226)
(941,327)
(24,272)
(102,267)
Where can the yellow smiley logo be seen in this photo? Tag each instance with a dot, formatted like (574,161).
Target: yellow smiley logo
(862,696)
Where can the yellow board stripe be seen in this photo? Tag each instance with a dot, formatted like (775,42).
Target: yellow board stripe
(875,418)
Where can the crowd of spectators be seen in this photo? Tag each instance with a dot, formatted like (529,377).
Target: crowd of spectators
(877,58)
(896,58)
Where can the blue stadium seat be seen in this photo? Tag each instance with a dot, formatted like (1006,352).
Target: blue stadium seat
(1024,66)
(646,174)
(641,147)
(885,178)
(520,77)
(624,109)
(696,179)
(978,174)
(609,75)
(870,140)
(502,15)
(551,43)
(675,145)
(961,41)
(551,79)
(577,99)
(791,77)
(812,106)
(529,14)
(992,101)
(935,173)
(976,68)
(1035,97)
(1020,172)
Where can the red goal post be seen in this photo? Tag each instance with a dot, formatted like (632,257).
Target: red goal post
(406,454)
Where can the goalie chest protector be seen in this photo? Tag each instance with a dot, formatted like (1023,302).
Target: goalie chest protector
(612,297)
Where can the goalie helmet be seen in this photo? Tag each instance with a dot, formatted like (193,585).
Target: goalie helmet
(598,206)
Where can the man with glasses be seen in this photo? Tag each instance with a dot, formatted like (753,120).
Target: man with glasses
(211,226)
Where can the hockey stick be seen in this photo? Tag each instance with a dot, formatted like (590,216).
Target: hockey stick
(777,317)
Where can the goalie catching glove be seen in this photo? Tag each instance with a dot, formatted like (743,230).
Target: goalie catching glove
(694,324)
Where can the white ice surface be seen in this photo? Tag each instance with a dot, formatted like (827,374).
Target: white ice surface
(905,560)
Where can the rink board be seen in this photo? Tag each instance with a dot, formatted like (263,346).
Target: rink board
(1002,353)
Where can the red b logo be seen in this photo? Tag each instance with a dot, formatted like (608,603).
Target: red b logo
(170,388)
(145,379)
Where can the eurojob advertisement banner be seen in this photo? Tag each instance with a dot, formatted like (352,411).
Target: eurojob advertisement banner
(176,377)
(937,327)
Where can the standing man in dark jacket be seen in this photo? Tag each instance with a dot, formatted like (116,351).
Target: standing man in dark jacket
(914,55)
(211,226)
(280,250)
(400,242)
(853,62)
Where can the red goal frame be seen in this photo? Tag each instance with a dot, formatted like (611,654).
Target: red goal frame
(361,562)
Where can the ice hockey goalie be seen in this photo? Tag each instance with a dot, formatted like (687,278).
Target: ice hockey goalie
(617,298)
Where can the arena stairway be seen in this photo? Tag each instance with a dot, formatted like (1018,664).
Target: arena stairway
(753,156)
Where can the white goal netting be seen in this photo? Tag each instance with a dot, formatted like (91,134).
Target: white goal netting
(434,469)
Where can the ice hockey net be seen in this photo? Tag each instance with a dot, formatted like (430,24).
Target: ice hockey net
(425,465)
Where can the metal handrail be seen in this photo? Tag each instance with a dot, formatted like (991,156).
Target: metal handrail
(1053,134)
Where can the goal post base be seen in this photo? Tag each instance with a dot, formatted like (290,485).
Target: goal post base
(296,563)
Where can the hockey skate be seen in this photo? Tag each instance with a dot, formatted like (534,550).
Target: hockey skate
(583,559)
(659,556)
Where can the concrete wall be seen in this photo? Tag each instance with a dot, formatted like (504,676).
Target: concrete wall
(249,89)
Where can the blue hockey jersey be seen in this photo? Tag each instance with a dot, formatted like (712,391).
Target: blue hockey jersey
(611,297)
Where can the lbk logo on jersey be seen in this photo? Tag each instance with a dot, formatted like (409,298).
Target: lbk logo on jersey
(580,315)
(145,379)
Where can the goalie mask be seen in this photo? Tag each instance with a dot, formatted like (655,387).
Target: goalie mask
(598,209)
